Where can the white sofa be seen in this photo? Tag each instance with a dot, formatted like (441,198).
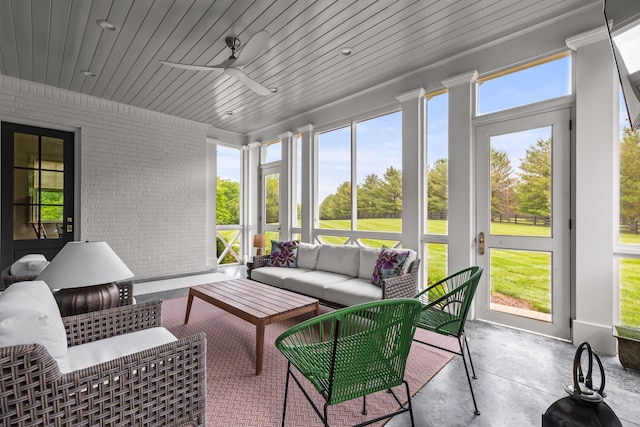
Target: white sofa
(109,367)
(339,275)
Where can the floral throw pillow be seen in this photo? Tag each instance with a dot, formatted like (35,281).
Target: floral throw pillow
(283,254)
(388,264)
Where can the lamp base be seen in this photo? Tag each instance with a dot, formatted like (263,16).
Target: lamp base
(74,301)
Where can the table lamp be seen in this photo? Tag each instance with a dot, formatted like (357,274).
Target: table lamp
(259,241)
(84,274)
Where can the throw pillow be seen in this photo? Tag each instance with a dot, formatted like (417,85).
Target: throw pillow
(283,254)
(388,264)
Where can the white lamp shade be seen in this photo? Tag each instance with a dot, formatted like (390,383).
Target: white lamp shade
(81,264)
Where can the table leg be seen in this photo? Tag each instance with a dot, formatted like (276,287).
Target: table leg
(317,309)
(259,346)
(189,302)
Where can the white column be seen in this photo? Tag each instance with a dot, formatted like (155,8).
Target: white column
(461,172)
(413,140)
(596,132)
(211,260)
(251,195)
(307,181)
(286,185)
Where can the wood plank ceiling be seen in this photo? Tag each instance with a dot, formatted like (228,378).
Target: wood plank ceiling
(53,41)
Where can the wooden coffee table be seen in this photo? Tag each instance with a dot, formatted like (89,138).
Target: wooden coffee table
(255,302)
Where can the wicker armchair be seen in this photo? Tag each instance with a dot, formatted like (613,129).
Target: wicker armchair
(163,385)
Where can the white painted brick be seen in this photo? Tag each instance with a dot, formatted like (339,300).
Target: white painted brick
(142,187)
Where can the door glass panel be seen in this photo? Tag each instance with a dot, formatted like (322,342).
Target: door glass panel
(272,198)
(25,149)
(521,283)
(38,187)
(521,183)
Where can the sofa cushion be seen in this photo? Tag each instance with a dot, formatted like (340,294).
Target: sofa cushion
(413,255)
(313,283)
(283,254)
(368,258)
(307,255)
(339,259)
(96,352)
(352,292)
(29,315)
(29,265)
(274,276)
(390,263)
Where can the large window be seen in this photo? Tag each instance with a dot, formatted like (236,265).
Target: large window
(360,182)
(538,81)
(437,186)
(228,190)
(629,232)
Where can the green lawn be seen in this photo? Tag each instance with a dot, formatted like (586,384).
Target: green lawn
(519,274)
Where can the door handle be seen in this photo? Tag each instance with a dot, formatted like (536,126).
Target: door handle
(481,243)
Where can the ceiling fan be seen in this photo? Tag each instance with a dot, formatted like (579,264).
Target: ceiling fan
(233,66)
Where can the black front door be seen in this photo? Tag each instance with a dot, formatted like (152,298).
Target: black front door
(37,191)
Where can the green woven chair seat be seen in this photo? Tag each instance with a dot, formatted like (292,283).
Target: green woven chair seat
(439,321)
(355,351)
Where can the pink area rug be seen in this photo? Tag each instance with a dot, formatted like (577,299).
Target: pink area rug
(237,397)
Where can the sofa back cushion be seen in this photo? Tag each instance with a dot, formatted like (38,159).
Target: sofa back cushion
(339,259)
(368,258)
(29,315)
(307,255)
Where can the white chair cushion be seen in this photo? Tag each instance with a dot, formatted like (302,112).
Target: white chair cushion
(29,265)
(339,259)
(275,275)
(368,258)
(353,291)
(307,255)
(96,352)
(29,315)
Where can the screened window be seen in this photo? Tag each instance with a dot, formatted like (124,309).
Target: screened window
(360,181)
(271,152)
(534,82)
(228,190)
(437,162)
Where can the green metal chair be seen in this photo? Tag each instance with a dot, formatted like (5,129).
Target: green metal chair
(445,306)
(352,352)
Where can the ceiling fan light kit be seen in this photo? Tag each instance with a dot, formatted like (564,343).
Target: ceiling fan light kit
(233,65)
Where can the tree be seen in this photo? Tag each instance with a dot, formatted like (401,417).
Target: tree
(630,175)
(367,195)
(503,192)
(227,201)
(437,186)
(534,189)
(391,194)
(272,196)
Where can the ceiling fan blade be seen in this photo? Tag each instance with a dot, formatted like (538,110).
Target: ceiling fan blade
(247,81)
(254,47)
(191,67)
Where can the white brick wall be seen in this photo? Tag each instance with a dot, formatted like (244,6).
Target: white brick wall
(141,174)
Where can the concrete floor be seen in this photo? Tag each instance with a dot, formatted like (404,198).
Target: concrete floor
(519,375)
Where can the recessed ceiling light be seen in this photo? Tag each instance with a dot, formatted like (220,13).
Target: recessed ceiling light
(273,89)
(88,73)
(106,25)
(346,51)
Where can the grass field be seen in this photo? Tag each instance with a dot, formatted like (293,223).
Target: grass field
(523,275)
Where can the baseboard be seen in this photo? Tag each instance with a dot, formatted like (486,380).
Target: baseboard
(600,337)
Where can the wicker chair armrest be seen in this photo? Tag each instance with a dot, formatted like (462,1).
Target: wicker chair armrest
(260,261)
(125,289)
(164,385)
(7,279)
(404,286)
(97,325)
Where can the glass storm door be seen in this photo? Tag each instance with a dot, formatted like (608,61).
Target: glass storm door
(524,222)
(270,205)
(37,191)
